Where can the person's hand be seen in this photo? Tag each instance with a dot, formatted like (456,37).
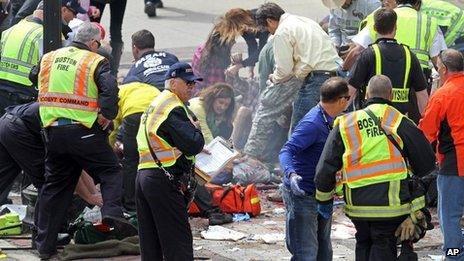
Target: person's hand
(296,190)
(251,72)
(94,12)
(96,199)
(118,147)
(406,229)
(325,210)
(196,124)
(236,58)
(103,122)
(233,70)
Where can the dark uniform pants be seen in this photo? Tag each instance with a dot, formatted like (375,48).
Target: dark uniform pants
(19,150)
(164,230)
(71,148)
(375,240)
(131,159)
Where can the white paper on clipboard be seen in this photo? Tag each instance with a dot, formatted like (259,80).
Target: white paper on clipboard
(221,154)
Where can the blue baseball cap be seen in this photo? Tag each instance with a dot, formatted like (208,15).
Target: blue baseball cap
(182,70)
(73,5)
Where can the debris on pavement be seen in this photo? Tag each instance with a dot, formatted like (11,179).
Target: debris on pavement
(222,233)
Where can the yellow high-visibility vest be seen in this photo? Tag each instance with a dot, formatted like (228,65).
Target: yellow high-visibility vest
(20,51)
(370,158)
(400,93)
(151,120)
(67,88)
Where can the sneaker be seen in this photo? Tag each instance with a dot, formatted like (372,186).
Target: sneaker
(121,226)
(219,219)
(150,9)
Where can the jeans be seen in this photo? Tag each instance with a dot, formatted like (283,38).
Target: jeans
(450,210)
(307,233)
(308,97)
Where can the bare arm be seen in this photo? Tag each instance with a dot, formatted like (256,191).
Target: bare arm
(422,99)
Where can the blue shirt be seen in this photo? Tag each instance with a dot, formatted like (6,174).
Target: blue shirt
(151,69)
(302,151)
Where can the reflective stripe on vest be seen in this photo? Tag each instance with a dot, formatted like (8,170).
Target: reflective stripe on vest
(369,157)
(20,52)
(447,15)
(409,20)
(400,94)
(426,28)
(455,30)
(155,115)
(66,86)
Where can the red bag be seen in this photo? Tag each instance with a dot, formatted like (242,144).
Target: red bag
(238,199)
(193,210)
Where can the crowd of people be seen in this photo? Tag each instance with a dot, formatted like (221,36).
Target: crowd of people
(355,110)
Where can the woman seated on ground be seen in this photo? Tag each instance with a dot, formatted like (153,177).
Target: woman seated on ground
(214,109)
(211,59)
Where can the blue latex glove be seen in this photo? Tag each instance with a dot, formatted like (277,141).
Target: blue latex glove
(296,190)
(325,210)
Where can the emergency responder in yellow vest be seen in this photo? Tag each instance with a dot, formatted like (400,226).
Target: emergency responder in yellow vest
(21,50)
(362,163)
(449,17)
(78,97)
(168,141)
(134,99)
(394,60)
(414,29)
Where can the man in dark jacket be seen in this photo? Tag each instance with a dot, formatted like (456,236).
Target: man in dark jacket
(362,162)
(78,98)
(168,141)
(150,66)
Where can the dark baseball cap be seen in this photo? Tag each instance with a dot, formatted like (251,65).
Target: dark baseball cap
(73,5)
(182,70)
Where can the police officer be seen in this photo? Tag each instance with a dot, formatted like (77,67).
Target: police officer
(449,17)
(374,175)
(168,141)
(21,49)
(78,97)
(394,60)
(150,66)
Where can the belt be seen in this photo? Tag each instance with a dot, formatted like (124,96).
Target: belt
(322,72)
(63,122)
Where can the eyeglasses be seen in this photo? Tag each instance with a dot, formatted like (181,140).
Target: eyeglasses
(347,97)
(190,83)
(98,43)
(72,10)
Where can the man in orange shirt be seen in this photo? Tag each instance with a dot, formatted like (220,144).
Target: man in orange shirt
(443,125)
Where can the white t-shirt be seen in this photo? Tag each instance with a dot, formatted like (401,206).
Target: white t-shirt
(364,39)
